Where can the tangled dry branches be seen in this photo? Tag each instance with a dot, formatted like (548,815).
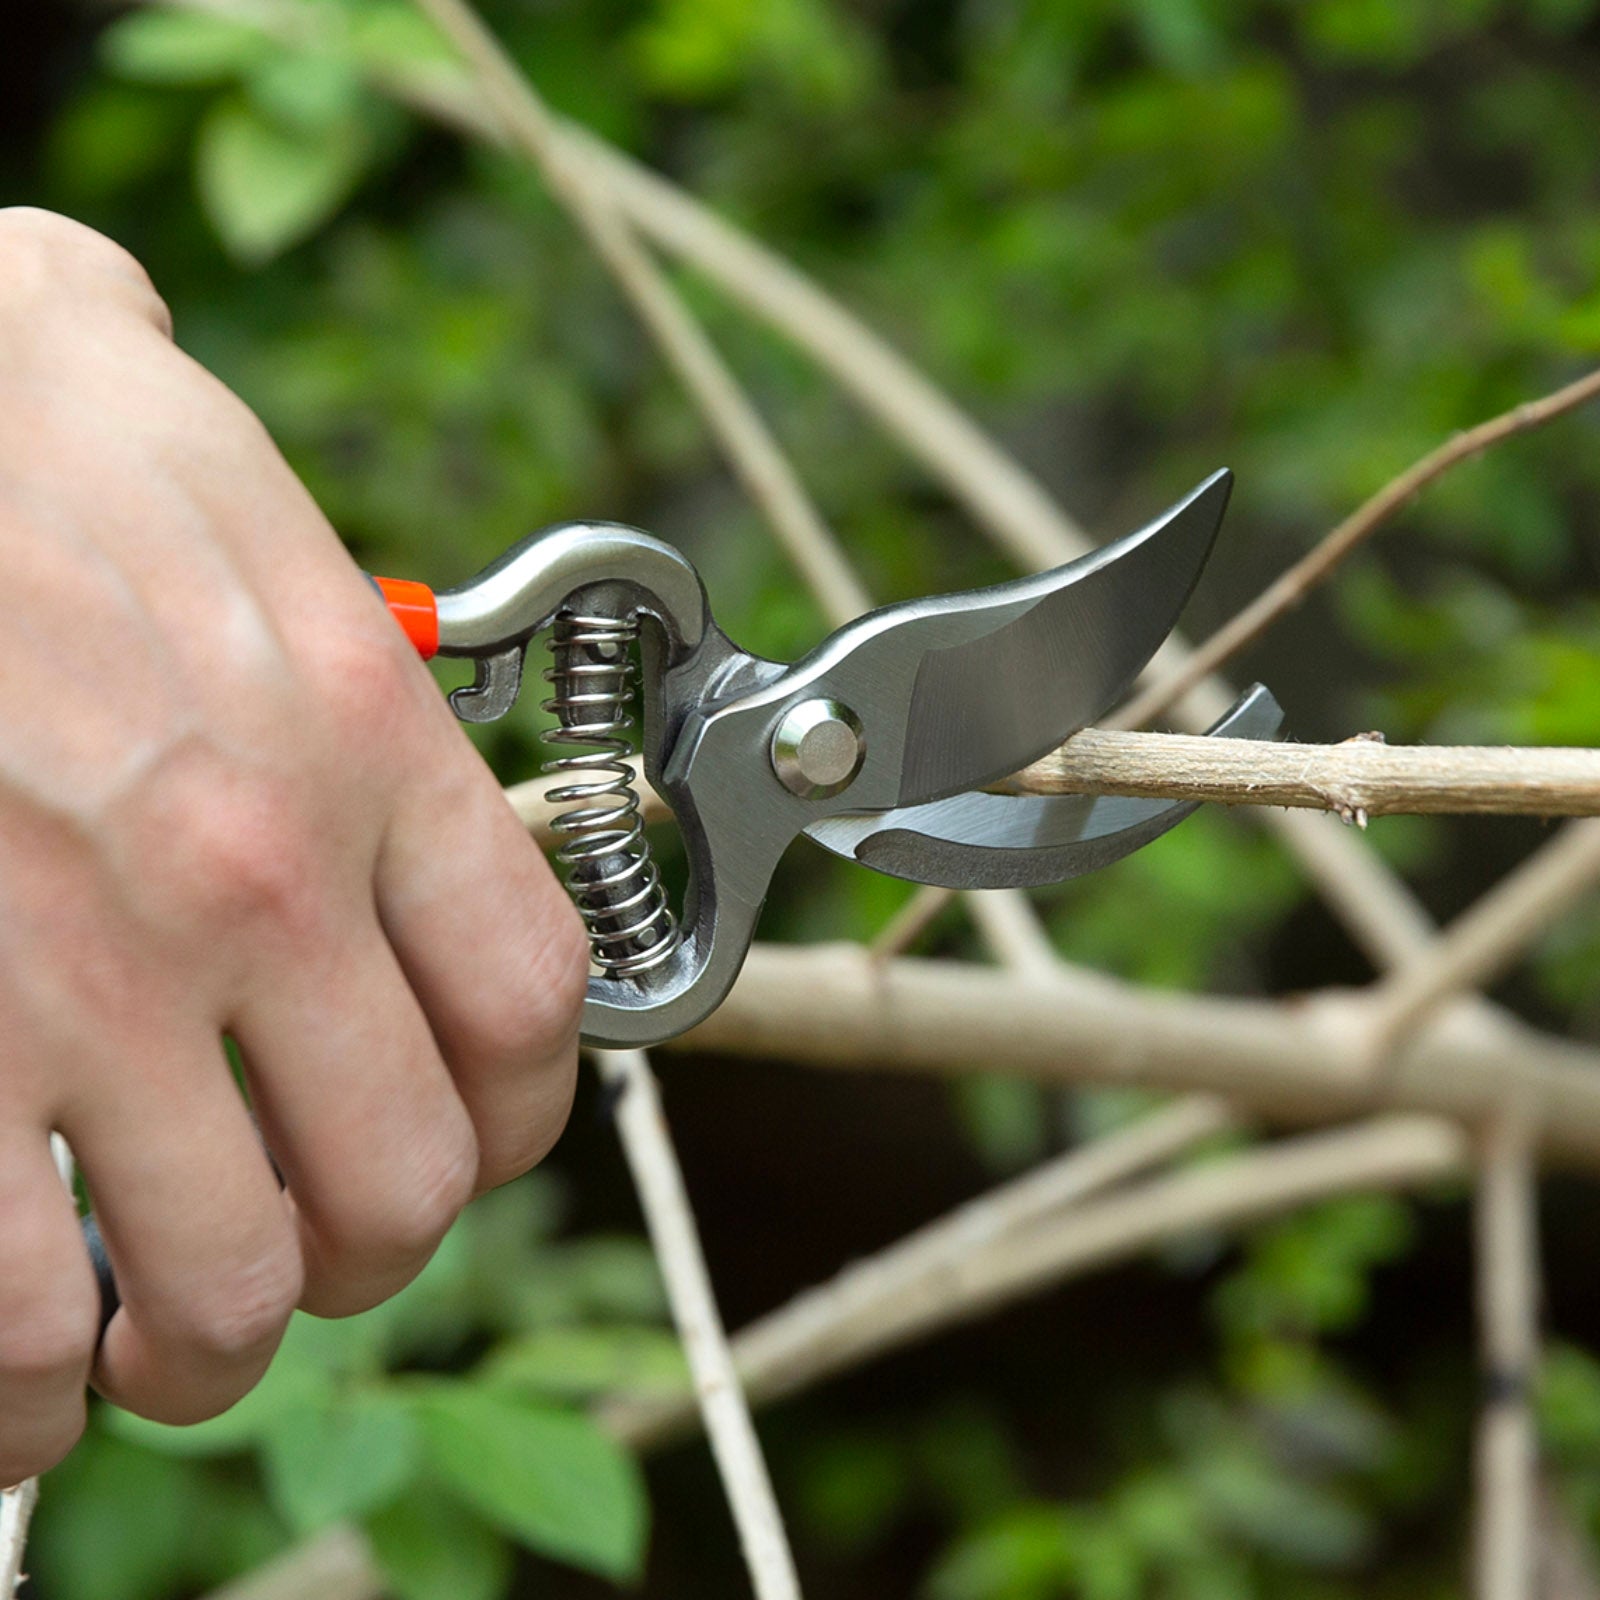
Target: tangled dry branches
(1430,1084)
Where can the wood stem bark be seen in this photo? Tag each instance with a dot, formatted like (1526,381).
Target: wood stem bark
(1357,779)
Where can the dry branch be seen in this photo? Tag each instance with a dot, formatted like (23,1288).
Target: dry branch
(913,1289)
(1359,778)
(1296,1061)
(1287,591)
(1506,1239)
(746,441)
(16,1511)
(336,1564)
(1486,937)
(723,1410)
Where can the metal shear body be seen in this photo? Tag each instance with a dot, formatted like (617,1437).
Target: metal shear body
(876,745)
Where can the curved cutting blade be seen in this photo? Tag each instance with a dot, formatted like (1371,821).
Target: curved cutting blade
(1005,841)
(983,683)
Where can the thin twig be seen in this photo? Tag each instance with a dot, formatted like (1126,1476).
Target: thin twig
(751,451)
(903,1294)
(1485,939)
(1506,1238)
(1356,779)
(1287,591)
(723,1408)
(16,1511)
(17,1503)
(911,921)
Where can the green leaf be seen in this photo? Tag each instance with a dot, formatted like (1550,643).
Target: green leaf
(574,1363)
(549,1478)
(397,35)
(432,1548)
(266,186)
(1569,1405)
(309,93)
(175,47)
(1007,1120)
(606,1276)
(326,1462)
(1026,1554)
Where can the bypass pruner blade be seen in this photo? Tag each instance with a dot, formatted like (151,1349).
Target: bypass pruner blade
(876,745)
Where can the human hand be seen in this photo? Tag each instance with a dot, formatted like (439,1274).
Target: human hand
(231,800)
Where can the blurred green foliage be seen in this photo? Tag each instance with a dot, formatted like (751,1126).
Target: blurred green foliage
(399,1420)
(1308,237)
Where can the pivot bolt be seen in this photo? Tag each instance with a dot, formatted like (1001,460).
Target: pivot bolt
(817,748)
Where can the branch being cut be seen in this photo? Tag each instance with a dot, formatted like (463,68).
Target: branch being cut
(1360,778)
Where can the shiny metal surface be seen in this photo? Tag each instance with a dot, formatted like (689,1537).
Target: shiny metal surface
(518,596)
(1012,841)
(604,853)
(939,697)
(1004,674)
(817,749)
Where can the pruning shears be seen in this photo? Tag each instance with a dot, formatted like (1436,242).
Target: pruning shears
(877,745)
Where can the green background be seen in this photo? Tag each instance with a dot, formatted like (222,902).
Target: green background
(1139,241)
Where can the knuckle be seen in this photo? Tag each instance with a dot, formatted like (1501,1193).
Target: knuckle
(42,251)
(361,673)
(387,1232)
(30,233)
(533,1011)
(43,1343)
(45,1447)
(246,852)
(243,1315)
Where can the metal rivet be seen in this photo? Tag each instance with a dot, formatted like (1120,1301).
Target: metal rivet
(817,748)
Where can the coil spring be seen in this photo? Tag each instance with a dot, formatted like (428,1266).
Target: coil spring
(610,874)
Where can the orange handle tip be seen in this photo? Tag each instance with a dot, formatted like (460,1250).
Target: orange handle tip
(413,606)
